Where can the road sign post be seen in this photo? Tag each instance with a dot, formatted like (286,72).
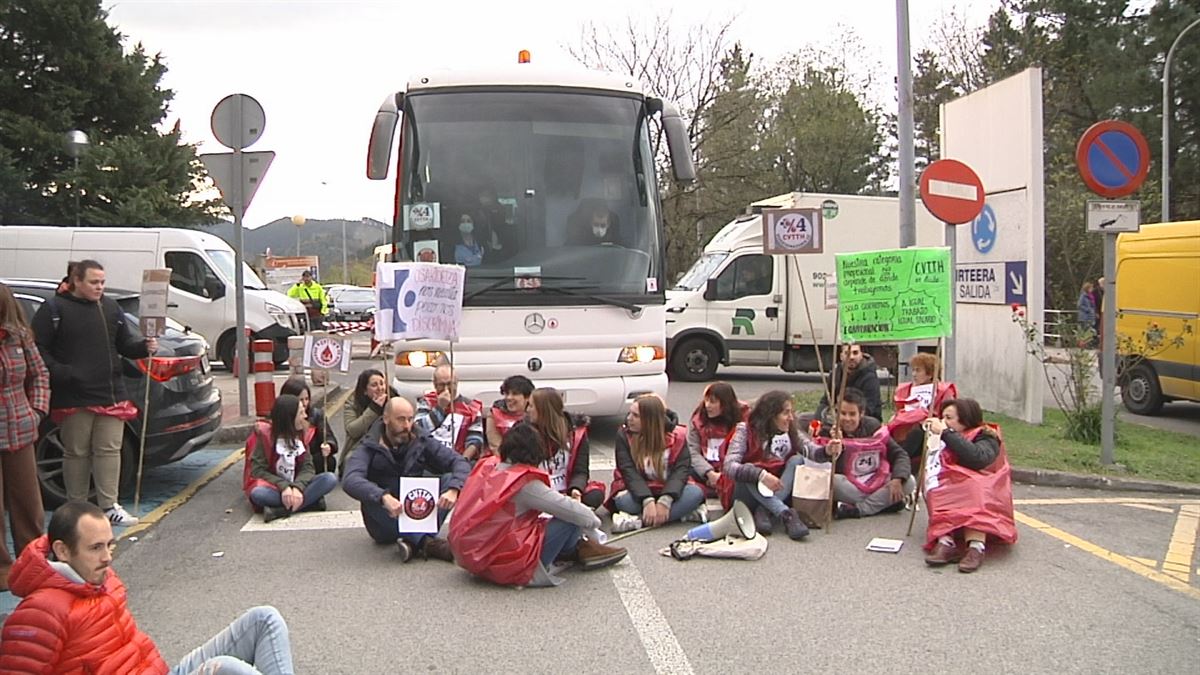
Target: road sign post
(954,194)
(1113,160)
(237,123)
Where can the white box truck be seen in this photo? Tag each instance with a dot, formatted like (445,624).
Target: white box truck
(201,297)
(739,307)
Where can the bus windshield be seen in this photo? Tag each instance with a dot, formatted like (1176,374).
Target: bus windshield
(532,191)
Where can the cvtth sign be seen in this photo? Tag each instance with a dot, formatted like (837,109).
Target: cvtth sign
(952,191)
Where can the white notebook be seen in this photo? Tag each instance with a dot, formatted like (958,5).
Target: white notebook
(881,545)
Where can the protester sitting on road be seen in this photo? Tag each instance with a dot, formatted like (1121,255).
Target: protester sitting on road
(371,391)
(968,488)
(322,443)
(567,450)
(500,531)
(873,473)
(82,336)
(712,422)
(861,376)
(650,485)
(507,411)
(373,473)
(454,420)
(914,402)
(74,618)
(764,452)
(278,476)
(24,403)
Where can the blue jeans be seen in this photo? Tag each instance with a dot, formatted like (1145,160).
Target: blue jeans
(689,500)
(561,538)
(777,503)
(386,529)
(320,486)
(256,642)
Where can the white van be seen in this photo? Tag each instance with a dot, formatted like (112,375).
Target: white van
(201,276)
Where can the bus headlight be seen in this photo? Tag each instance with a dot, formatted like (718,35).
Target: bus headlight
(641,354)
(419,359)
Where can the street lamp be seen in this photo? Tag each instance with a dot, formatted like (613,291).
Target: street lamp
(1166,125)
(77,144)
(298,221)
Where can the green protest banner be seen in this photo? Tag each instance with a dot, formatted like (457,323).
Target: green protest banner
(894,295)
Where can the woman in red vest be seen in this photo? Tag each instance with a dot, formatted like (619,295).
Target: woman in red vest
(761,461)
(566,448)
(278,476)
(650,483)
(917,401)
(508,410)
(968,488)
(498,531)
(712,422)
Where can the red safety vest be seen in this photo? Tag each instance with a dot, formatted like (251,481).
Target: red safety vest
(505,420)
(864,461)
(754,455)
(469,409)
(715,437)
(262,434)
(676,441)
(487,537)
(904,420)
(958,497)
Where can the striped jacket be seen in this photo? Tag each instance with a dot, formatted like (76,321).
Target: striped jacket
(24,390)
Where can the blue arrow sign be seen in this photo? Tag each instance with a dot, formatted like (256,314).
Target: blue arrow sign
(983,230)
(1016,286)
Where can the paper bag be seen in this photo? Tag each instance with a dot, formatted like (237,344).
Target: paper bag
(811,493)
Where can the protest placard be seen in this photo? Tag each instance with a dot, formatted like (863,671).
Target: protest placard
(894,295)
(418,300)
(326,352)
(152,305)
(419,496)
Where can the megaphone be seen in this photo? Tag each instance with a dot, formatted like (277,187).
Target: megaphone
(737,521)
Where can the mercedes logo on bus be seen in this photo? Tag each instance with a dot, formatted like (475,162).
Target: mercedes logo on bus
(535,364)
(535,323)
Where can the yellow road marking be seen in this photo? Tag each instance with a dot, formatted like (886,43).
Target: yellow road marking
(1183,542)
(1150,507)
(1144,561)
(1101,500)
(1104,554)
(144,522)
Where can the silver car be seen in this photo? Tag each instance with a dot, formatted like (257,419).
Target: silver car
(351,303)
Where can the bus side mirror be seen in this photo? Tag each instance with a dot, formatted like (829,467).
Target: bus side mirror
(679,145)
(710,290)
(383,134)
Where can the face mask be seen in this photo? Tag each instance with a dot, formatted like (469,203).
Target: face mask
(466,228)
(599,230)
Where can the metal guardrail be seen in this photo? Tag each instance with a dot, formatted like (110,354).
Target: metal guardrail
(1052,322)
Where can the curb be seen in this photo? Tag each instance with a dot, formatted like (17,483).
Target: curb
(235,430)
(1048,478)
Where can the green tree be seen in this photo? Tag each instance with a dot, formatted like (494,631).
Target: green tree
(62,67)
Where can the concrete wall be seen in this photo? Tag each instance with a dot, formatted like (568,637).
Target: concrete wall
(997,131)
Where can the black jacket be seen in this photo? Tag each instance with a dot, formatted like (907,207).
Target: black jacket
(863,378)
(83,352)
(374,468)
(635,481)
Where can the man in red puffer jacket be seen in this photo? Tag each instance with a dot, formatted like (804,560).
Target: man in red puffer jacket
(73,617)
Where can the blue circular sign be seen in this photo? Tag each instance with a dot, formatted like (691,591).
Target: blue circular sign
(983,230)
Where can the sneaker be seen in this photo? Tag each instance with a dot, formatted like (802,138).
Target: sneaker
(593,555)
(700,515)
(118,516)
(406,550)
(845,511)
(763,523)
(893,508)
(796,529)
(437,549)
(625,522)
(275,513)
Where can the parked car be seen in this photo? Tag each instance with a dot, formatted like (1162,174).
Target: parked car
(185,404)
(351,303)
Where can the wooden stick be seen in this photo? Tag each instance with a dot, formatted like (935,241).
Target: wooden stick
(813,332)
(929,440)
(836,434)
(137,493)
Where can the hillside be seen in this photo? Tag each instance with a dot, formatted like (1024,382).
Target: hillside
(317,237)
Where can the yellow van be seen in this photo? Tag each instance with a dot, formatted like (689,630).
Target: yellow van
(1158,288)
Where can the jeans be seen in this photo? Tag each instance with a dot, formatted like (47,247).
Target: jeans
(777,503)
(561,538)
(256,642)
(868,505)
(689,500)
(320,486)
(385,529)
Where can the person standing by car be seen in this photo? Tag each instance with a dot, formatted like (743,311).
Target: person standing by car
(312,296)
(24,402)
(82,336)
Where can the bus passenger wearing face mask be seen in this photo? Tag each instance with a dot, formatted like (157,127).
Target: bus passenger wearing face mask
(468,252)
(593,224)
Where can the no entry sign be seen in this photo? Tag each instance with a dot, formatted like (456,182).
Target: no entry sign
(1113,158)
(952,191)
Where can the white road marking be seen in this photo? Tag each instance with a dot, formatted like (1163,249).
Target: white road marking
(309,520)
(1150,507)
(943,188)
(656,635)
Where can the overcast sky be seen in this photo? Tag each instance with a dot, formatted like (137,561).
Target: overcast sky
(320,68)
